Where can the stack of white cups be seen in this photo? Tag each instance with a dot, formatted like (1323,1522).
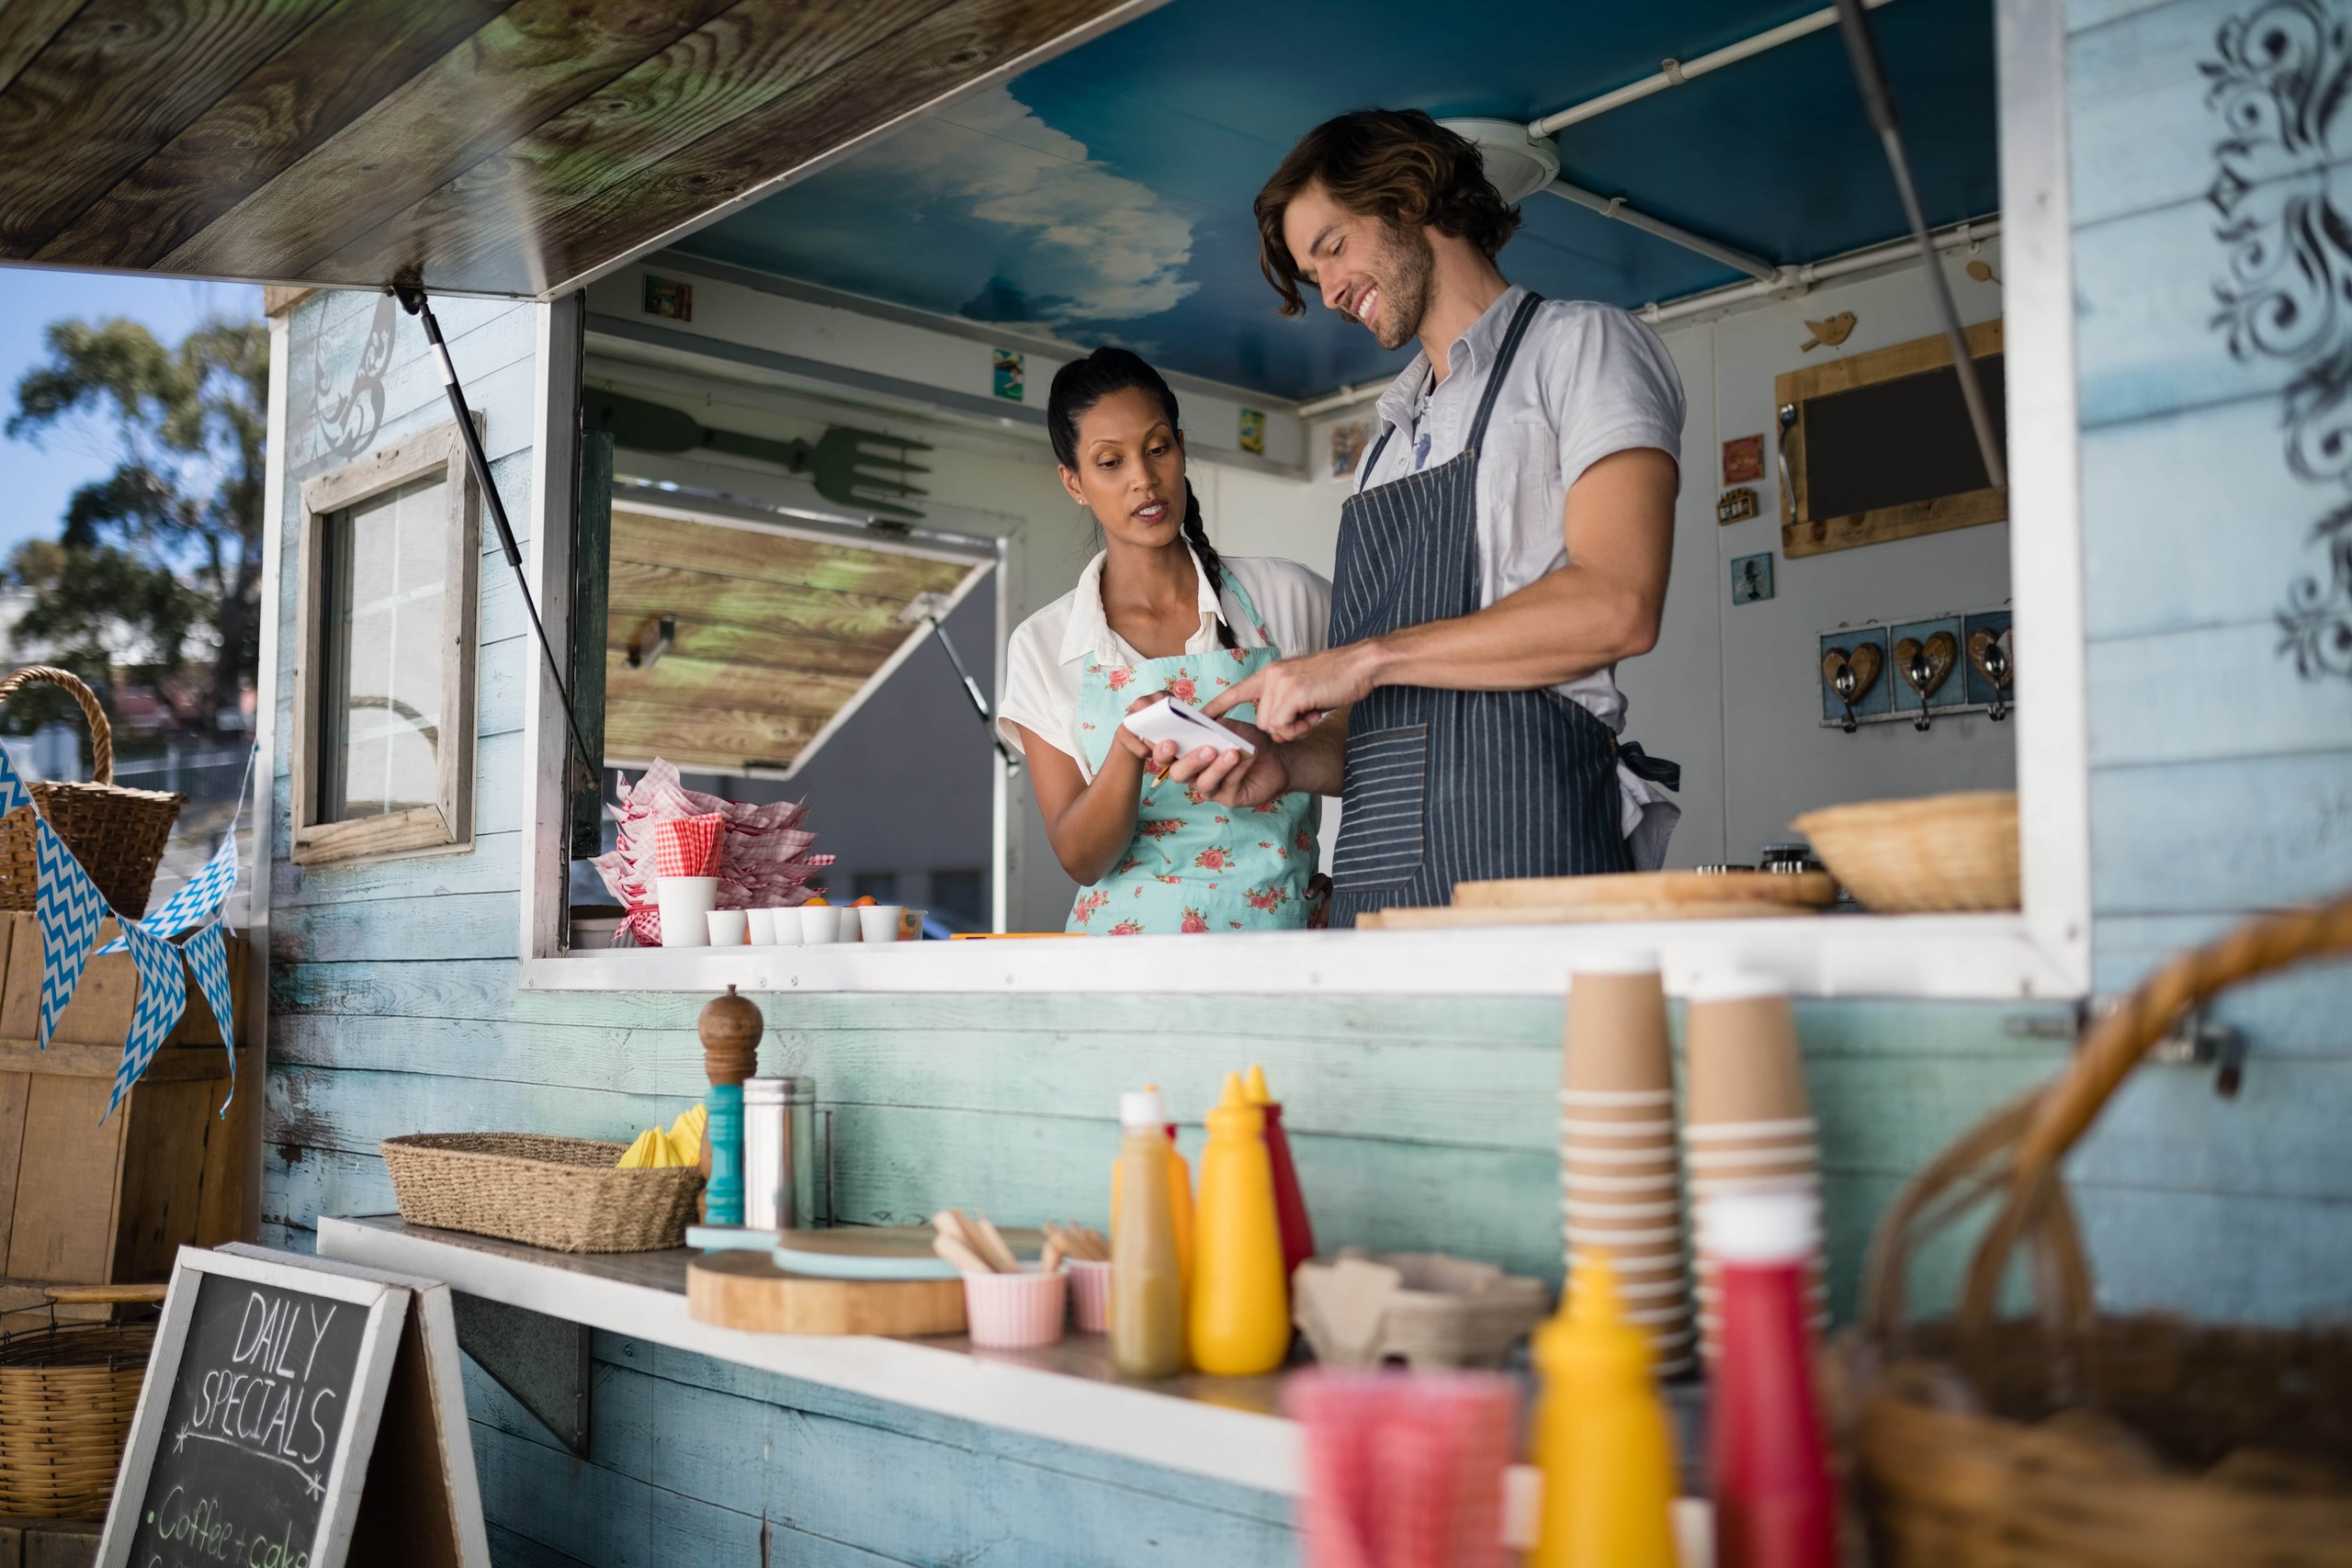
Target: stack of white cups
(1620,1179)
(1747,1124)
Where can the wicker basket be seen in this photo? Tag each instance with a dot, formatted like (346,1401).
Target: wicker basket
(564,1194)
(2073,1440)
(67,1395)
(116,833)
(1942,852)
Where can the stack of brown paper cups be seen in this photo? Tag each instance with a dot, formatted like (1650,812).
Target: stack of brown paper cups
(1747,1124)
(1620,1180)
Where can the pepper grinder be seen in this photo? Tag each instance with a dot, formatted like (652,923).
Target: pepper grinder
(731,1027)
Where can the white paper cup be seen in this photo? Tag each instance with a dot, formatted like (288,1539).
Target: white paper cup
(786,925)
(879,922)
(762,925)
(820,924)
(845,922)
(730,928)
(685,903)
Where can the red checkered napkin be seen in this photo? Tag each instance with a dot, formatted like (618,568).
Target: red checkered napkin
(687,846)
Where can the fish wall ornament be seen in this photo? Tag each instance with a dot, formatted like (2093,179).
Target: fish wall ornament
(1829,333)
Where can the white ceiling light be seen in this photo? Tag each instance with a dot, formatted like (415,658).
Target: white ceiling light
(1516,166)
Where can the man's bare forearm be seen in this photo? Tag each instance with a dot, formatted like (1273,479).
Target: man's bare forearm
(1560,627)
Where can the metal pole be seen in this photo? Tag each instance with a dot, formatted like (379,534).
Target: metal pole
(412,300)
(1878,98)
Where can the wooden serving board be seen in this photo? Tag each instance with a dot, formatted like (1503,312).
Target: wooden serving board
(745,1290)
(1454,915)
(1644,888)
(882,1252)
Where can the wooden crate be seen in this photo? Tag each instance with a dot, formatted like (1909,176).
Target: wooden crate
(92,1202)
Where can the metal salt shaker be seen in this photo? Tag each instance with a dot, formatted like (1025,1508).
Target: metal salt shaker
(779,1153)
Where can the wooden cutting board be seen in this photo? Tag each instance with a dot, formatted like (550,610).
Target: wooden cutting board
(1636,890)
(746,1290)
(1444,916)
(882,1252)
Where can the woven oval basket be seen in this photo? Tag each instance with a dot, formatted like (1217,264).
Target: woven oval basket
(67,1394)
(564,1194)
(1938,853)
(116,832)
(2073,1439)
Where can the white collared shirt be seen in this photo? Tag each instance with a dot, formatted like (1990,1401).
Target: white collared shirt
(1590,380)
(1048,653)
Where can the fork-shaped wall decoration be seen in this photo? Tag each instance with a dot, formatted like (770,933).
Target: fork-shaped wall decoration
(860,468)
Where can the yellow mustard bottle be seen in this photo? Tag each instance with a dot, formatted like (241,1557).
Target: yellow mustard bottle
(1146,1285)
(1602,1438)
(1240,1310)
(1180,1197)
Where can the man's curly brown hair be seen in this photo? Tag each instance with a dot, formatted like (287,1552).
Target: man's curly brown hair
(1398,165)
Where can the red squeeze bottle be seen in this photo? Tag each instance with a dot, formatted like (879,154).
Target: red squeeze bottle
(1290,1204)
(1774,1506)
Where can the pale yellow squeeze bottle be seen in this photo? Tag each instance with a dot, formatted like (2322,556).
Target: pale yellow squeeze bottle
(1602,1438)
(1240,1308)
(1147,1278)
(1180,1195)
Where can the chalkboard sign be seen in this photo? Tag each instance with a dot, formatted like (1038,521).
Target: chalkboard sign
(265,1405)
(1898,442)
(1878,445)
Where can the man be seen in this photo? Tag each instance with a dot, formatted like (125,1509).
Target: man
(1506,544)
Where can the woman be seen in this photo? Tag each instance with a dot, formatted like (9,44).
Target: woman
(1156,611)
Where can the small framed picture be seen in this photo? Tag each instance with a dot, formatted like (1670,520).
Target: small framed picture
(1253,432)
(1006,379)
(1751,578)
(668,296)
(1744,460)
(1348,442)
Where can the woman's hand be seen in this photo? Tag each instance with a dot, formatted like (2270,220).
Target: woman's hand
(1235,777)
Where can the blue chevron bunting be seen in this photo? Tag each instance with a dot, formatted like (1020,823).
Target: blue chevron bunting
(68,907)
(13,792)
(197,900)
(208,960)
(162,997)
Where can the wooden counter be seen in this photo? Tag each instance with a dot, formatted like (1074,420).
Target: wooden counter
(1226,1428)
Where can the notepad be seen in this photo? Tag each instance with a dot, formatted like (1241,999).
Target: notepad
(1169,719)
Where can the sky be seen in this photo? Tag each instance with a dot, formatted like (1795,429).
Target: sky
(35,480)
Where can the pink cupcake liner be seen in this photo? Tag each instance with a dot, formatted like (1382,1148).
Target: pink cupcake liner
(1089,1294)
(1015,1312)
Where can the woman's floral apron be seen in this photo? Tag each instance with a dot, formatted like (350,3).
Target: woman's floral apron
(1194,865)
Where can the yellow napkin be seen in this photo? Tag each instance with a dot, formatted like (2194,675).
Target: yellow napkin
(682,1144)
(686,1133)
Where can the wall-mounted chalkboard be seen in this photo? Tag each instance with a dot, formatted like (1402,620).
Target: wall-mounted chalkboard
(262,1430)
(1878,445)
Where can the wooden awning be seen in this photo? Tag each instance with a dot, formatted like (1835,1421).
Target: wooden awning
(779,636)
(497,147)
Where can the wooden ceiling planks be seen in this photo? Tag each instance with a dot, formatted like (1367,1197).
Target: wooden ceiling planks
(511,147)
(777,634)
(65,139)
(338,69)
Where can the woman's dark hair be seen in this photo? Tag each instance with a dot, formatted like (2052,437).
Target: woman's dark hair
(1397,166)
(1082,383)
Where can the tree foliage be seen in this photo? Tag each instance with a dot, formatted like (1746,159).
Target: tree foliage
(162,558)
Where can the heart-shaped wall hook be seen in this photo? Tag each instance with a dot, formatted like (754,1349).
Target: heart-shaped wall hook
(1925,666)
(1994,657)
(1851,674)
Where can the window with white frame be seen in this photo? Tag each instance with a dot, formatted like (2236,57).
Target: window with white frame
(384,679)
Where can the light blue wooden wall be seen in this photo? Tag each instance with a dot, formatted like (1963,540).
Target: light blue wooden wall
(2222,783)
